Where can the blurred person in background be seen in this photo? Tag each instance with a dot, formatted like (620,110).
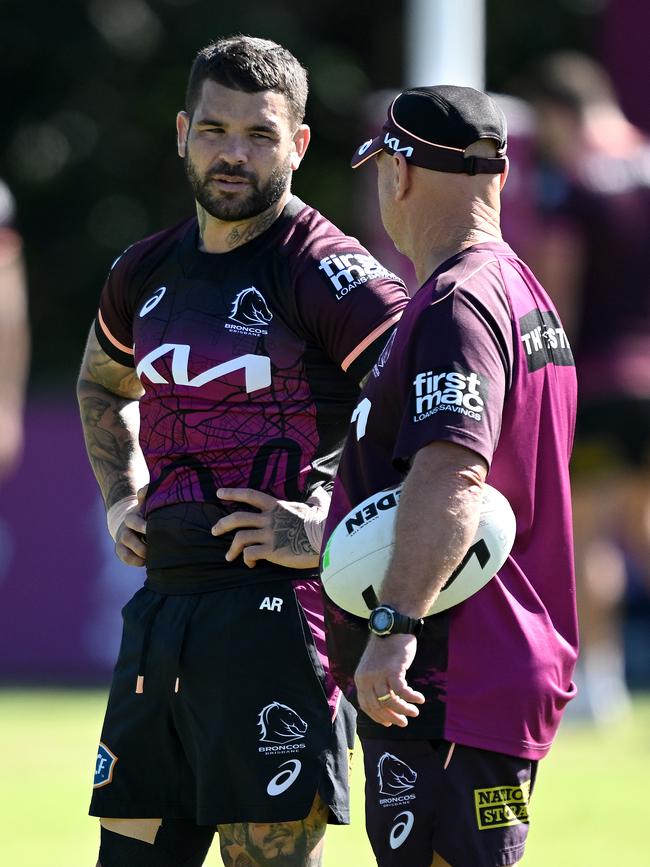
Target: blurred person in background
(240,337)
(593,258)
(14,336)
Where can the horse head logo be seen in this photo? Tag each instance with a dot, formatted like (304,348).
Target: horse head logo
(250,308)
(280,724)
(394,775)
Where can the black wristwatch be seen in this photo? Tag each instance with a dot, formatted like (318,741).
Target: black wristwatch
(385,620)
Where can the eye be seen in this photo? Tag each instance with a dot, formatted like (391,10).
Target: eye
(262,135)
(211,130)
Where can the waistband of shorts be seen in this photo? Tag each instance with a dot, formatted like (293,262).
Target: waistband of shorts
(181,581)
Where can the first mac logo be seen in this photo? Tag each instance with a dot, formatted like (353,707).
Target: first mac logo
(104,766)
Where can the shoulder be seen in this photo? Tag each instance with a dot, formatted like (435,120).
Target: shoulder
(150,251)
(474,274)
(317,247)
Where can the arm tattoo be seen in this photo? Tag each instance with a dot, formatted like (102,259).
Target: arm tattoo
(289,532)
(105,390)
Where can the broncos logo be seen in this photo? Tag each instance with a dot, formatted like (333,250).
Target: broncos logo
(394,775)
(280,724)
(249,307)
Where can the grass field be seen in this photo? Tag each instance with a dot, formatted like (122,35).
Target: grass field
(590,805)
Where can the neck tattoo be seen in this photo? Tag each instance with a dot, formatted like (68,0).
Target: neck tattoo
(242,234)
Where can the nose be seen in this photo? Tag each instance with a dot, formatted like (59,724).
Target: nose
(233,150)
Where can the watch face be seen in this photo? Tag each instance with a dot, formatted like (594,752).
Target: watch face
(381,620)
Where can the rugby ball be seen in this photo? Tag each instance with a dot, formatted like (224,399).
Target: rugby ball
(358,552)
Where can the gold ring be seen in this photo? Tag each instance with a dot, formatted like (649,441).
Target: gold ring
(385,697)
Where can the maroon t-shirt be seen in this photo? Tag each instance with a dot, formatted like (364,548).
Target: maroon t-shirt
(607,202)
(250,362)
(480,359)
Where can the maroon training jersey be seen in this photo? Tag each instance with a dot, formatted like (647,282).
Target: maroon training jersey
(479,358)
(250,362)
(607,201)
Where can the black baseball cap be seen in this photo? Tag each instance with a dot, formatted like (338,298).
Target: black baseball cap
(432,126)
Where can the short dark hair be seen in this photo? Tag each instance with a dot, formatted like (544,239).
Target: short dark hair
(572,80)
(252,65)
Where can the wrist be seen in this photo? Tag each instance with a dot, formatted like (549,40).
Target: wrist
(118,512)
(314,522)
(385,620)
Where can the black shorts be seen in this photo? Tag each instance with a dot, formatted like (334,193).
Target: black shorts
(612,433)
(233,722)
(468,805)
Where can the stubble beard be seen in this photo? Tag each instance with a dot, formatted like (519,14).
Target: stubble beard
(229,207)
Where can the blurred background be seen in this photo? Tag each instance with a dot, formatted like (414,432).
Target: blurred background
(88,164)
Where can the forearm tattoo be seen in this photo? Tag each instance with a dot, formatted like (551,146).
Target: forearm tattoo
(289,532)
(104,389)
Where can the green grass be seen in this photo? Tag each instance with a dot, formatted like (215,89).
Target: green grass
(590,805)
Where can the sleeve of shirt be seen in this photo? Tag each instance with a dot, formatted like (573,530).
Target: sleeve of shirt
(348,302)
(456,372)
(114,322)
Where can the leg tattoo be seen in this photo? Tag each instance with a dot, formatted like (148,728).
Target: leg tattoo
(277,844)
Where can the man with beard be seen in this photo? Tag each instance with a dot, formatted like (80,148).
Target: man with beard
(239,338)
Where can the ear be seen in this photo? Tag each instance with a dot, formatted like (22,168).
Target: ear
(504,174)
(301,141)
(401,176)
(182,131)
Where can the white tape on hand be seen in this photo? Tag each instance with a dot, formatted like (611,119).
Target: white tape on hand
(315,521)
(117,513)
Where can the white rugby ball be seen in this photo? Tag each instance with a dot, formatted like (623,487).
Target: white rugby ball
(358,552)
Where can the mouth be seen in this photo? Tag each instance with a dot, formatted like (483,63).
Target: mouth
(230,181)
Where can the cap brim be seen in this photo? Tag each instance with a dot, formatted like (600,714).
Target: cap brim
(367,150)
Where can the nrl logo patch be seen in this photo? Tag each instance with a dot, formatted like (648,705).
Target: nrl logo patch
(104,766)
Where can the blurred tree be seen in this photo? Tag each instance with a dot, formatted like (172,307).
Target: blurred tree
(91,89)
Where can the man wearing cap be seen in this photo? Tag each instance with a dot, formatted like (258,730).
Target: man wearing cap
(477,384)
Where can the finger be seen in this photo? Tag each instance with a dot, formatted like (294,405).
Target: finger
(237,520)
(387,713)
(396,704)
(258,499)
(127,556)
(242,540)
(379,712)
(132,541)
(141,494)
(134,521)
(402,692)
(253,553)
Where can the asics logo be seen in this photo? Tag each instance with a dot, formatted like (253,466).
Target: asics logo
(401,829)
(148,305)
(281,782)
